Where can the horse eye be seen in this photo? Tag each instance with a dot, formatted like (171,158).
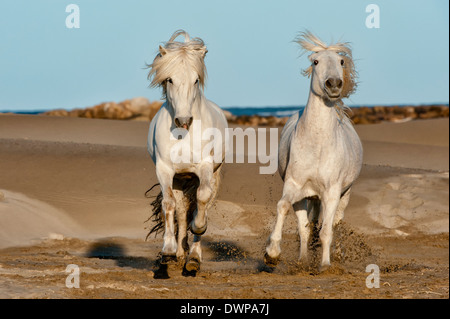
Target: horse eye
(342,62)
(316,62)
(196,81)
(169,80)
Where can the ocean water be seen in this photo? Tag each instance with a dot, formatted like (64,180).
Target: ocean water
(278,111)
(282,111)
(29,112)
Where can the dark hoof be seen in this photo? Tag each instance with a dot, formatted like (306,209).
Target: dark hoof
(169,259)
(271,262)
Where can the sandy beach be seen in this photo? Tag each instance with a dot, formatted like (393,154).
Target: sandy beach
(72,192)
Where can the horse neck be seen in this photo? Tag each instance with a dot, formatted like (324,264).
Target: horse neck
(319,117)
(200,105)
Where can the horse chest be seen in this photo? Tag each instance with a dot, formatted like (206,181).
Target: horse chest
(316,155)
(317,165)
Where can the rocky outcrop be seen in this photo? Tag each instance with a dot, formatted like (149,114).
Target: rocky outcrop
(377,114)
(256,120)
(141,109)
(138,108)
(360,115)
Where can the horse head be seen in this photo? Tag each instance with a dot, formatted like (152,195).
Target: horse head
(180,70)
(332,71)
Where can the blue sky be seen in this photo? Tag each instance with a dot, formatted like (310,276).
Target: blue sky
(252,60)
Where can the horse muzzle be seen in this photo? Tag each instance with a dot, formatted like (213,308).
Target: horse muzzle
(333,87)
(184,122)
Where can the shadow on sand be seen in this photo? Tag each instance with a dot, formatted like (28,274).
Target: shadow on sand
(114,251)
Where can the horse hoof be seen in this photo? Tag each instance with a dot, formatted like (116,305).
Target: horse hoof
(169,259)
(270,261)
(191,268)
(324,268)
(192,264)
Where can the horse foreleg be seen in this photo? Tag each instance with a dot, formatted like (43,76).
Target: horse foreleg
(303,228)
(290,196)
(204,196)
(168,206)
(195,255)
(273,250)
(181,213)
(341,207)
(292,193)
(330,204)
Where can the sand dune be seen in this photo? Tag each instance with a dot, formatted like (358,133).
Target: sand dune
(24,219)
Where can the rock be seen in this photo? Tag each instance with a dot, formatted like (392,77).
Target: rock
(116,111)
(230,117)
(153,108)
(254,120)
(410,112)
(141,109)
(283,121)
(55,236)
(75,113)
(358,120)
(260,121)
(137,105)
(58,112)
(272,121)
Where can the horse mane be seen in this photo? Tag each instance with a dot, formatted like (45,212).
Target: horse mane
(173,54)
(309,42)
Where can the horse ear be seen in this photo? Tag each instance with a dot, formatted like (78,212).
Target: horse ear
(162,51)
(203,51)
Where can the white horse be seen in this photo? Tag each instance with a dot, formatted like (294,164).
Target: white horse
(188,188)
(320,153)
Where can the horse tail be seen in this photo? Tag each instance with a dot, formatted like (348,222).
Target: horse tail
(188,184)
(157,216)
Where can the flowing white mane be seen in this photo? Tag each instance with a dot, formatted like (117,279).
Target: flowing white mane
(309,42)
(174,54)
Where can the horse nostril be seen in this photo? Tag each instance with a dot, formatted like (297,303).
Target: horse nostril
(333,83)
(184,122)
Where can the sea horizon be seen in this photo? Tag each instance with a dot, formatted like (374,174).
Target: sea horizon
(264,111)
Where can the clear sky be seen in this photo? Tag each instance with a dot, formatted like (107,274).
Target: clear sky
(252,60)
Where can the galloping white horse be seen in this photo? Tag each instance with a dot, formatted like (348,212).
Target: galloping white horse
(320,154)
(179,68)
